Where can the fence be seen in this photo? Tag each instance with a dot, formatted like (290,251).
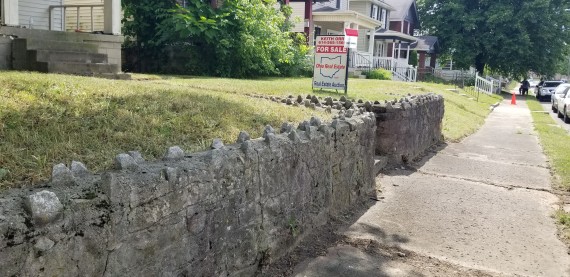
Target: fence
(400,70)
(79,17)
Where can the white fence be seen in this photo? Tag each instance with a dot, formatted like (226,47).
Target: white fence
(484,85)
(400,69)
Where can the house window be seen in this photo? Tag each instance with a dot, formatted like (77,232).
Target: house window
(383,17)
(374,12)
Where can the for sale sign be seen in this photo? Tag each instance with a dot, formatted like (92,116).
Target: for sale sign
(330,63)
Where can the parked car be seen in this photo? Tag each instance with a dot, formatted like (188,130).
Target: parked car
(559,93)
(546,89)
(563,108)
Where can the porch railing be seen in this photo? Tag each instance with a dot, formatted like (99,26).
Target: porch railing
(400,69)
(79,19)
(360,60)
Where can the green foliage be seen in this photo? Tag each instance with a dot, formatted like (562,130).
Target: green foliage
(563,218)
(379,74)
(511,37)
(414,58)
(140,22)
(242,38)
(293,226)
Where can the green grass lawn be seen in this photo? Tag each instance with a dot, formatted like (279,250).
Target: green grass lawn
(555,142)
(47,119)
(463,115)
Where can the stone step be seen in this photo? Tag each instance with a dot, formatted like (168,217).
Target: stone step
(88,69)
(39,44)
(66,56)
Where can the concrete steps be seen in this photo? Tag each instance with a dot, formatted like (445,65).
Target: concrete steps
(55,56)
(55,45)
(61,56)
(87,69)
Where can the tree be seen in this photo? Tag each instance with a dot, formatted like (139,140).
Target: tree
(141,20)
(509,36)
(240,38)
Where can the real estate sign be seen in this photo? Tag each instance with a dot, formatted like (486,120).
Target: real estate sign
(330,63)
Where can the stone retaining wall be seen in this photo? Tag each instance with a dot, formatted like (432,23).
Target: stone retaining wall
(215,213)
(407,127)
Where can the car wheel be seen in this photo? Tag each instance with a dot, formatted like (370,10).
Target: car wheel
(560,114)
(553,109)
(566,118)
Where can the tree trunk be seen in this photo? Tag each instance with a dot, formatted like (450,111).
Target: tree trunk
(479,64)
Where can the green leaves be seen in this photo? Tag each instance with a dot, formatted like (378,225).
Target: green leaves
(511,37)
(242,38)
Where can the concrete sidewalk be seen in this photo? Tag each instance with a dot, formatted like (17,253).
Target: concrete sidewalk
(482,207)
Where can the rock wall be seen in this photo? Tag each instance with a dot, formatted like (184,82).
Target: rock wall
(215,213)
(407,127)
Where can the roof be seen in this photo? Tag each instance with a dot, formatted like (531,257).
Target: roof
(401,9)
(325,9)
(393,35)
(428,44)
(346,16)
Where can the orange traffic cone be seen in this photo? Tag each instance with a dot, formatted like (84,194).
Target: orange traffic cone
(514,99)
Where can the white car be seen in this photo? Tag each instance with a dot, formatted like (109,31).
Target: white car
(558,93)
(546,89)
(563,107)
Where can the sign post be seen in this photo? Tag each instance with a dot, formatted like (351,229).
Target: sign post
(330,63)
(350,40)
(332,60)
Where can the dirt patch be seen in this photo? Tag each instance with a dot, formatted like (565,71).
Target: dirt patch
(313,245)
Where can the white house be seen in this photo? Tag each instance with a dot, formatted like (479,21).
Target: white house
(386,29)
(34,35)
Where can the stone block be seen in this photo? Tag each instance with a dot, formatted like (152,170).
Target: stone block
(44,207)
(62,176)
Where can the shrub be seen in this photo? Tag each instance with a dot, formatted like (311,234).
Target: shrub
(380,74)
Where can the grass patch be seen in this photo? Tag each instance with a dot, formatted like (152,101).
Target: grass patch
(563,218)
(47,119)
(463,115)
(555,141)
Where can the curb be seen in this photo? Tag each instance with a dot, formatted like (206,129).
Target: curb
(492,107)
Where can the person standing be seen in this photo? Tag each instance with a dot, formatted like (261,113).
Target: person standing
(524,87)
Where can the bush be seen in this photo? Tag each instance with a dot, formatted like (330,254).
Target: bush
(380,74)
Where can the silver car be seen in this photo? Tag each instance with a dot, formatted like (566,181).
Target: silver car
(558,93)
(546,89)
(563,107)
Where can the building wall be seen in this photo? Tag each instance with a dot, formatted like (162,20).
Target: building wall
(361,7)
(35,14)
(298,16)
